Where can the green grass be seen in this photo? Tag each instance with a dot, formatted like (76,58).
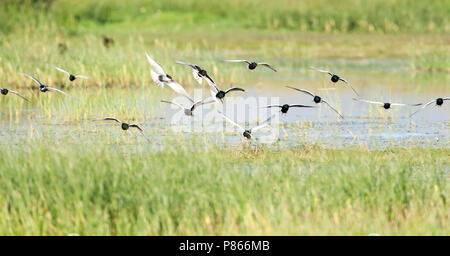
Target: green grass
(320,16)
(57,189)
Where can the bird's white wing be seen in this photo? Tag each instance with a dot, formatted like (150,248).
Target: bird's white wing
(155,78)
(398,104)
(267,65)
(196,76)
(335,110)
(34,79)
(232,122)
(203,102)
(424,106)
(140,130)
(263,124)
(58,90)
(187,64)
(303,91)
(173,103)
(246,61)
(60,69)
(18,94)
(369,101)
(321,70)
(179,89)
(85,77)
(348,84)
(213,86)
(158,69)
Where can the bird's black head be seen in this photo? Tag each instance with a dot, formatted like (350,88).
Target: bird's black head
(334,78)
(125,126)
(284,108)
(439,101)
(4,91)
(71,77)
(252,65)
(247,134)
(386,105)
(317,99)
(220,95)
(202,72)
(43,88)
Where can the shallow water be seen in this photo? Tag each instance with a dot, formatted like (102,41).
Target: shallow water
(363,124)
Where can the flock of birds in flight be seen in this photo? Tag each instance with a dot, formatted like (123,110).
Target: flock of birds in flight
(161,78)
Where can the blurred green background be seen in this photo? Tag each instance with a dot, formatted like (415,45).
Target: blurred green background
(377,16)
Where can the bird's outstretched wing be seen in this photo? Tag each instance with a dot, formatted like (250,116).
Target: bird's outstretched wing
(232,122)
(335,110)
(267,65)
(300,106)
(141,130)
(321,70)
(303,91)
(137,127)
(34,79)
(213,87)
(58,90)
(263,124)
(187,64)
(234,89)
(202,102)
(246,61)
(158,69)
(18,94)
(60,69)
(369,101)
(348,84)
(179,89)
(173,103)
(398,104)
(207,77)
(85,77)
(424,106)
(111,119)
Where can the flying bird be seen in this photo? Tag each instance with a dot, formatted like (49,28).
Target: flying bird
(252,65)
(438,101)
(219,94)
(317,99)
(44,88)
(159,76)
(188,111)
(335,78)
(5,91)
(247,133)
(71,76)
(197,72)
(385,105)
(124,126)
(284,108)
